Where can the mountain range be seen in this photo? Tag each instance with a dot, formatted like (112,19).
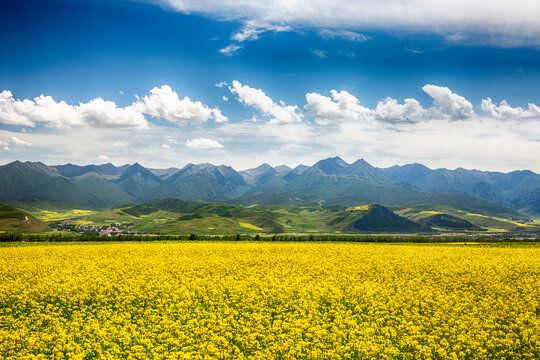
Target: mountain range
(331,181)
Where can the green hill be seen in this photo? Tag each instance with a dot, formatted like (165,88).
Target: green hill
(15,220)
(449,222)
(377,218)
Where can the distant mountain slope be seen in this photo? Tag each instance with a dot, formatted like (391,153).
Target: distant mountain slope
(15,220)
(71,170)
(330,181)
(340,191)
(17,178)
(527,202)
(514,189)
(137,181)
(108,193)
(61,192)
(164,173)
(259,174)
(282,169)
(295,172)
(203,181)
(362,170)
(331,166)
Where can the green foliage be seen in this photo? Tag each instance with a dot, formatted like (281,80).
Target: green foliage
(22,238)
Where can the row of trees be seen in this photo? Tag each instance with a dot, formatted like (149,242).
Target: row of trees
(57,237)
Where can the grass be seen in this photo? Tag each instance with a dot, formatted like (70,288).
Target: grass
(16,220)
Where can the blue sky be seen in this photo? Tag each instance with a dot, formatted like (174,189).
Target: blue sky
(118,51)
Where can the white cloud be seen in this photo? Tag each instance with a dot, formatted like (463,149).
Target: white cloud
(230,50)
(165,146)
(341,106)
(497,22)
(41,109)
(162,102)
(165,103)
(252,28)
(203,143)
(280,113)
(103,158)
(16,141)
(225,98)
(221,84)
(44,109)
(389,110)
(218,116)
(505,111)
(101,113)
(453,104)
(119,144)
(343,34)
(319,53)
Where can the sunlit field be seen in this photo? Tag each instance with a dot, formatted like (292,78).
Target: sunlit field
(49,215)
(217,300)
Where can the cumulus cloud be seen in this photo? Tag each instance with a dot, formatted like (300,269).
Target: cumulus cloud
(389,110)
(103,158)
(44,109)
(203,143)
(505,111)
(341,106)
(218,116)
(499,23)
(161,102)
(101,113)
(280,113)
(164,103)
(455,105)
(165,146)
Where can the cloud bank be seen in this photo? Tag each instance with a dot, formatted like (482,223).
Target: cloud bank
(446,131)
(496,22)
(162,103)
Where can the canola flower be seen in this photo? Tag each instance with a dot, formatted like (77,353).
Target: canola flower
(269,301)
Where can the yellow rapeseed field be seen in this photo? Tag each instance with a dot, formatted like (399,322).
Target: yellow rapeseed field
(269,301)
